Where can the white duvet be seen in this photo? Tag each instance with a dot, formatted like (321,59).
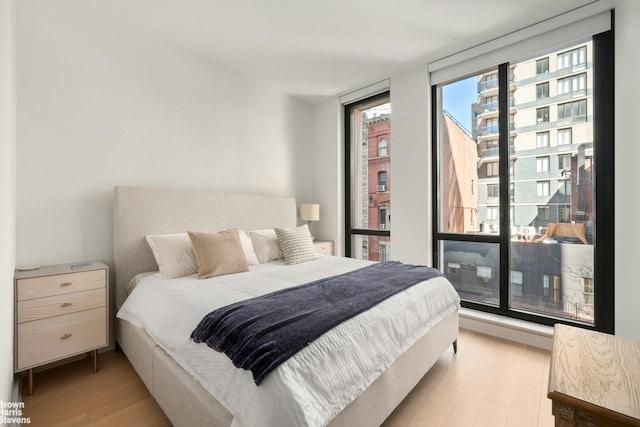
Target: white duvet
(312,387)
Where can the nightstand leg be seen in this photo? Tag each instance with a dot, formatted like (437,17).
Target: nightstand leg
(95,361)
(30,381)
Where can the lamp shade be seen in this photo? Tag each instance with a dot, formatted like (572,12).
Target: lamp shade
(310,212)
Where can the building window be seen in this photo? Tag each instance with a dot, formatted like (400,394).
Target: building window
(490,104)
(491,81)
(484,274)
(493,190)
(542,115)
(492,169)
(587,285)
(564,136)
(492,126)
(382,147)
(453,272)
(382,181)
(542,139)
(573,58)
(542,66)
(542,90)
(564,162)
(543,213)
(546,286)
(542,164)
(383,250)
(576,110)
(382,215)
(492,213)
(575,85)
(542,188)
(563,214)
(551,288)
(516,284)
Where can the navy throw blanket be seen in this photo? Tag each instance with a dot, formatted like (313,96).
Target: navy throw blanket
(261,333)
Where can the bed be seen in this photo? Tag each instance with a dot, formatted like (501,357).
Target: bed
(192,384)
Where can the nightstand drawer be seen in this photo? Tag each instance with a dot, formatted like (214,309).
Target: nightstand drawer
(54,338)
(57,305)
(44,286)
(324,247)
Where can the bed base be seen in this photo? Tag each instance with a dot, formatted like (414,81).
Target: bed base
(187,403)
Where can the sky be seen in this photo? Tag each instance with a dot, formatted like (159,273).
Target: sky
(457,98)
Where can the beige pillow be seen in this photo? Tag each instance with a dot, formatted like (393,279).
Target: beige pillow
(265,245)
(218,253)
(173,254)
(296,244)
(175,258)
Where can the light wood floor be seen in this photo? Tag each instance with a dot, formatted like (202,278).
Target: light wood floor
(490,382)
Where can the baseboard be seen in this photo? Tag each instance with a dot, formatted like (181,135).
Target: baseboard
(15,394)
(528,333)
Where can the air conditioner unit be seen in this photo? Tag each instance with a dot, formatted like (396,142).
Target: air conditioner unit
(381,188)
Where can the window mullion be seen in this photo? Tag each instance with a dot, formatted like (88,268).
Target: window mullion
(504,152)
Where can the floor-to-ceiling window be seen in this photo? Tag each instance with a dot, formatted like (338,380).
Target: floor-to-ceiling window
(368,146)
(523,186)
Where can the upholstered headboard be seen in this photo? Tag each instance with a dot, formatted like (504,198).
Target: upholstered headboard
(138,212)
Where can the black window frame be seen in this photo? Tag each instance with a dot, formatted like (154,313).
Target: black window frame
(350,230)
(604,148)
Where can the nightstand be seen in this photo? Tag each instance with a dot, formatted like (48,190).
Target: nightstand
(61,311)
(593,378)
(324,247)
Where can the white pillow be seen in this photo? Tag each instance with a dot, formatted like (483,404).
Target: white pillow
(247,247)
(175,257)
(174,254)
(265,245)
(296,244)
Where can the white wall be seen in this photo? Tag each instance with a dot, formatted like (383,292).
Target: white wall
(328,170)
(627,173)
(411,168)
(103,104)
(411,165)
(7,195)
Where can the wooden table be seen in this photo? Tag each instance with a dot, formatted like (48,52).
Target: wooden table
(594,379)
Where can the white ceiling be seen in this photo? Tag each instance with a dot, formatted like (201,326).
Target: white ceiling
(322,48)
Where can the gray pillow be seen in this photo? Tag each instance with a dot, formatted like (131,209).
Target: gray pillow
(296,244)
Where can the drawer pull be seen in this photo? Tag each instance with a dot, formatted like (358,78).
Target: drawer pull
(65,336)
(63,284)
(65,304)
